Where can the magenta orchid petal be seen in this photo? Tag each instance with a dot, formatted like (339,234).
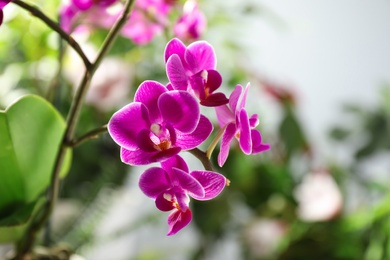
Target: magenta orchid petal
(180,109)
(254,120)
(245,132)
(224,115)
(153,182)
(144,142)
(215,100)
(182,199)
(177,220)
(242,100)
(258,146)
(126,123)
(198,82)
(200,55)
(176,73)
(148,93)
(227,138)
(175,162)
(163,204)
(198,136)
(214,80)
(140,157)
(188,183)
(234,98)
(212,183)
(174,46)
(83,4)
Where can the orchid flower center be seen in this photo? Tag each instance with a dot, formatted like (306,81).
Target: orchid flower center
(172,199)
(160,137)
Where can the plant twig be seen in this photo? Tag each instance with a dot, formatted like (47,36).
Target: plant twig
(202,158)
(28,240)
(53,25)
(88,136)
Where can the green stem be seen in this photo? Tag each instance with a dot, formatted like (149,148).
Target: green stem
(88,136)
(55,27)
(214,143)
(202,158)
(27,242)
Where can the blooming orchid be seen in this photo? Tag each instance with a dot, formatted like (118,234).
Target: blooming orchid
(192,69)
(158,124)
(235,121)
(3,3)
(172,186)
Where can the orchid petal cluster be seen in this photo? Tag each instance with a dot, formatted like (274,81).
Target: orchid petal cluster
(172,185)
(193,69)
(148,18)
(164,120)
(235,121)
(3,3)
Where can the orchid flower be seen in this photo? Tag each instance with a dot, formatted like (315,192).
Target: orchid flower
(235,121)
(192,69)
(172,186)
(158,125)
(192,23)
(3,3)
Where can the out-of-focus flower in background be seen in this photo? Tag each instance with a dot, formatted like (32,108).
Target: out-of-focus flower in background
(319,197)
(192,23)
(111,84)
(263,235)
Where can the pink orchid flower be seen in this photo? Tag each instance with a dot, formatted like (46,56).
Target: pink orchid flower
(192,69)
(172,186)
(158,125)
(236,122)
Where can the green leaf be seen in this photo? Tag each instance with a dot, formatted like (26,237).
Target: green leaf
(31,135)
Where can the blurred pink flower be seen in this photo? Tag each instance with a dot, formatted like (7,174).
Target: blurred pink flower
(148,18)
(319,198)
(110,86)
(263,237)
(191,24)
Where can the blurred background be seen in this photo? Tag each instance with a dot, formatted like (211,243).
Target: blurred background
(320,82)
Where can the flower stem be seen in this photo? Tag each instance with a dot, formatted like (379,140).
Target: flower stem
(202,158)
(88,136)
(55,27)
(25,245)
(214,143)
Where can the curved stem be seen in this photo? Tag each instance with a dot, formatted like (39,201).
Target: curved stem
(88,136)
(40,219)
(202,156)
(55,27)
(214,143)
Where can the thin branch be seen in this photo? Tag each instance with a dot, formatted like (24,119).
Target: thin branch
(28,240)
(93,134)
(114,32)
(53,25)
(202,158)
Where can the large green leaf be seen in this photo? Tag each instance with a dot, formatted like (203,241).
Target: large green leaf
(31,134)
